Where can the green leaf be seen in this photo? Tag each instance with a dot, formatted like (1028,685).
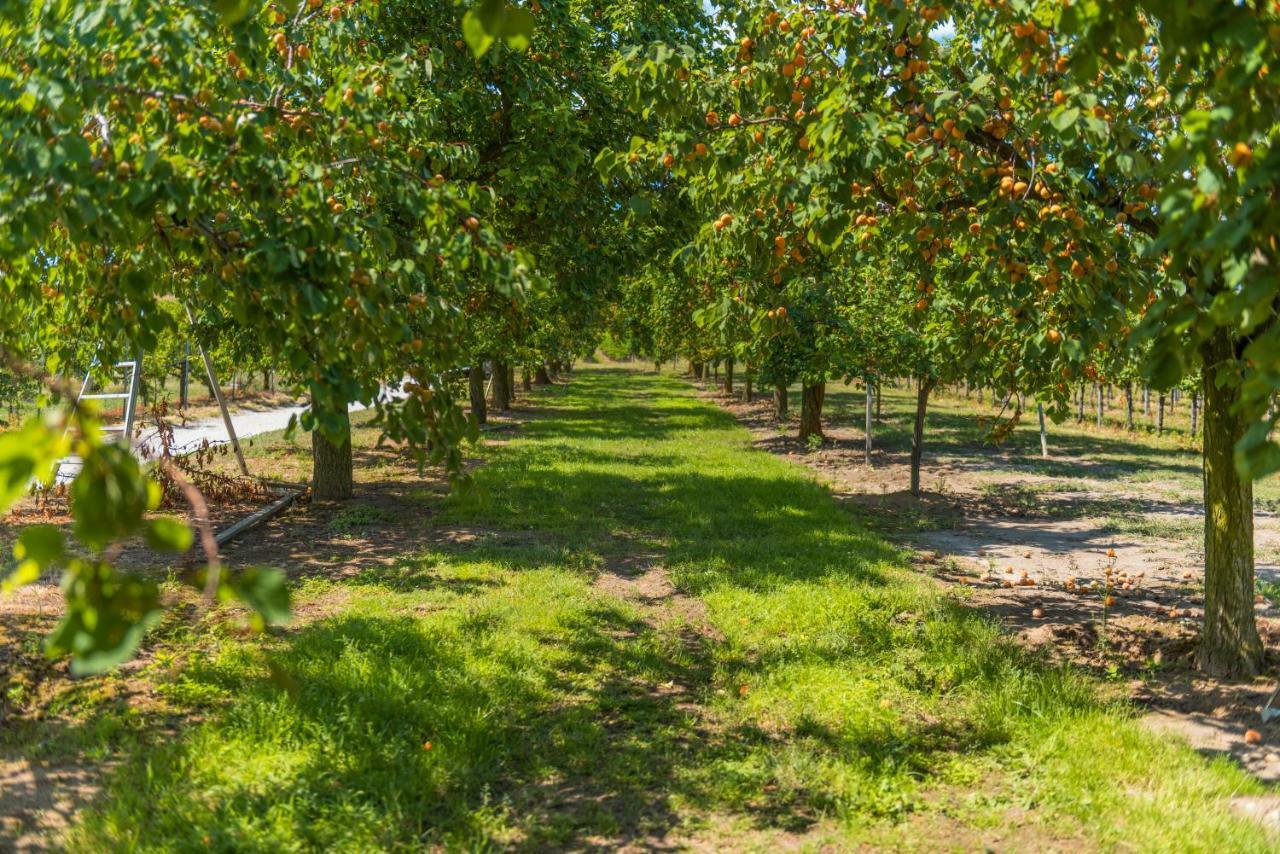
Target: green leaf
(25,573)
(1256,456)
(641,206)
(39,547)
(1066,118)
(107,616)
(26,456)
(232,12)
(477,35)
(110,496)
(167,534)
(517,29)
(494,19)
(43,544)
(264,591)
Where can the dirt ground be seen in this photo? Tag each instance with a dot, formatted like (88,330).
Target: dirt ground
(38,796)
(1081,587)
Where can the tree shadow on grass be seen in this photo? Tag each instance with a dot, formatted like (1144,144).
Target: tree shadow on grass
(552,717)
(595,743)
(957,437)
(581,749)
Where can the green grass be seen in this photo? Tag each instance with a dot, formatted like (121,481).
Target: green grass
(1108,459)
(834,694)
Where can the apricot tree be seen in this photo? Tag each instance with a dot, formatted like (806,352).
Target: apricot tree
(256,162)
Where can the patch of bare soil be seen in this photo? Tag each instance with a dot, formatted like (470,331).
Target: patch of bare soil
(40,801)
(643,580)
(44,598)
(1121,604)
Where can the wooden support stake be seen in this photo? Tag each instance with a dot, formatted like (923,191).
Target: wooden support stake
(222,403)
(250,522)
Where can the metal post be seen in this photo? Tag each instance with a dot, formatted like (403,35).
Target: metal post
(131,404)
(184,397)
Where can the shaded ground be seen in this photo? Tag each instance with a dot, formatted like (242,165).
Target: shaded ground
(1093,554)
(632,633)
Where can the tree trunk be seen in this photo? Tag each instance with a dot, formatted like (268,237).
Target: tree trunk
(501,393)
(332,477)
(526,379)
(1195,412)
(1128,396)
(866,456)
(696,368)
(475,384)
(511,382)
(811,401)
(1080,404)
(1146,401)
(917,434)
(728,376)
(1101,399)
(1229,642)
(879,401)
(541,377)
(747,394)
(1044,434)
(1160,417)
(780,408)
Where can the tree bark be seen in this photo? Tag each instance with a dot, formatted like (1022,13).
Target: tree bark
(501,392)
(541,377)
(780,402)
(728,376)
(1044,433)
(1195,412)
(1229,642)
(1128,396)
(697,369)
(866,456)
(332,476)
(917,434)
(747,391)
(526,380)
(1160,417)
(475,385)
(1101,400)
(811,401)
(511,381)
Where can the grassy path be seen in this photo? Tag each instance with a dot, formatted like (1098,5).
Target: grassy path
(640,631)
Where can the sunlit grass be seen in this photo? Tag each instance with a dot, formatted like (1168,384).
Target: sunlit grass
(489,695)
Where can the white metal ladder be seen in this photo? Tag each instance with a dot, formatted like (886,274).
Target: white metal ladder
(69,467)
(129,396)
